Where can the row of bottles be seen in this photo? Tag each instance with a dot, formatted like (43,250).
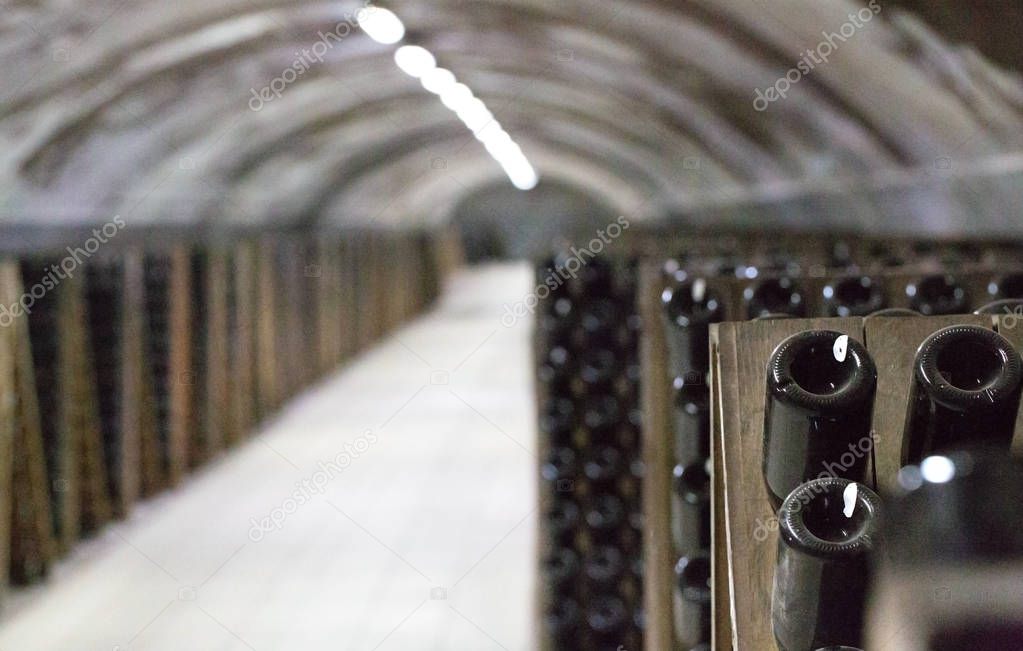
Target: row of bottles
(689,308)
(591,470)
(767,293)
(939,560)
(817,444)
(821,390)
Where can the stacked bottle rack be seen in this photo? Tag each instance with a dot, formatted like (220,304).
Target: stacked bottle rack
(823,280)
(155,354)
(590,466)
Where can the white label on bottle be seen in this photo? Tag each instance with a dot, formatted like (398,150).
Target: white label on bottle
(841,347)
(850,499)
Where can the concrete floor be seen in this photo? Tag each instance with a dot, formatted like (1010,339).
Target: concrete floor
(416,533)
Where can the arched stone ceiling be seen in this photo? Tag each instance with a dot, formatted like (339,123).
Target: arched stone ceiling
(145,109)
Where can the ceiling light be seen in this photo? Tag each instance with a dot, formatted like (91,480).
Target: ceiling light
(417,62)
(521,173)
(381,25)
(456,97)
(438,80)
(489,131)
(414,61)
(475,115)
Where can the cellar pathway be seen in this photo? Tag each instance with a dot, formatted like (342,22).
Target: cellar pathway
(389,507)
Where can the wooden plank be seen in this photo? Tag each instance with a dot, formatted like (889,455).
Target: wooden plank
(8,411)
(33,547)
(752,555)
(1010,326)
(724,391)
(106,306)
(138,408)
(159,279)
(658,461)
(51,386)
(244,401)
(216,397)
(180,369)
(65,475)
(269,388)
(82,412)
(350,321)
(311,308)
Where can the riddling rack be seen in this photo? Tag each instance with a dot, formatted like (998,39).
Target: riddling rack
(705,302)
(682,520)
(590,563)
(160,353)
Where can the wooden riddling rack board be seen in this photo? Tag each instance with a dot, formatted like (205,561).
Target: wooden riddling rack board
(745,558)
(658,404)
(167,351)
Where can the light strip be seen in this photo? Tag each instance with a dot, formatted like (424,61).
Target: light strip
(418,63)
(381,25)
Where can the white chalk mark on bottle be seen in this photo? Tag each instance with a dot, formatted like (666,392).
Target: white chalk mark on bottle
(841,347)
(849,496)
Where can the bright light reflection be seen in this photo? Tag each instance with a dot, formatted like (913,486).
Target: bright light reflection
(456,97)
(419,63)
(438,81)
(937,470)
(414,61)
(381,25)
(475,115)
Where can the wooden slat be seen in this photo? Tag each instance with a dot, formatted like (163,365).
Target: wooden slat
(1010,326)
(723,391)
(51,385)
(8,410)
(33,547)
(216,399)
(267,319)
(81,408)
(104,290)
(349,322)
(658,461)
(328,305)
(243,368)
(182,374)
(138,397)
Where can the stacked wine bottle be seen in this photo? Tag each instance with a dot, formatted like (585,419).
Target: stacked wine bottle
(590,466)
(689,309)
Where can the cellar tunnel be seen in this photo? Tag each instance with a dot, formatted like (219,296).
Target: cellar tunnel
(358,324)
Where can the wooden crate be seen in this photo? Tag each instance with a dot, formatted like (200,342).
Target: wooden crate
(740,352)
(657,407)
